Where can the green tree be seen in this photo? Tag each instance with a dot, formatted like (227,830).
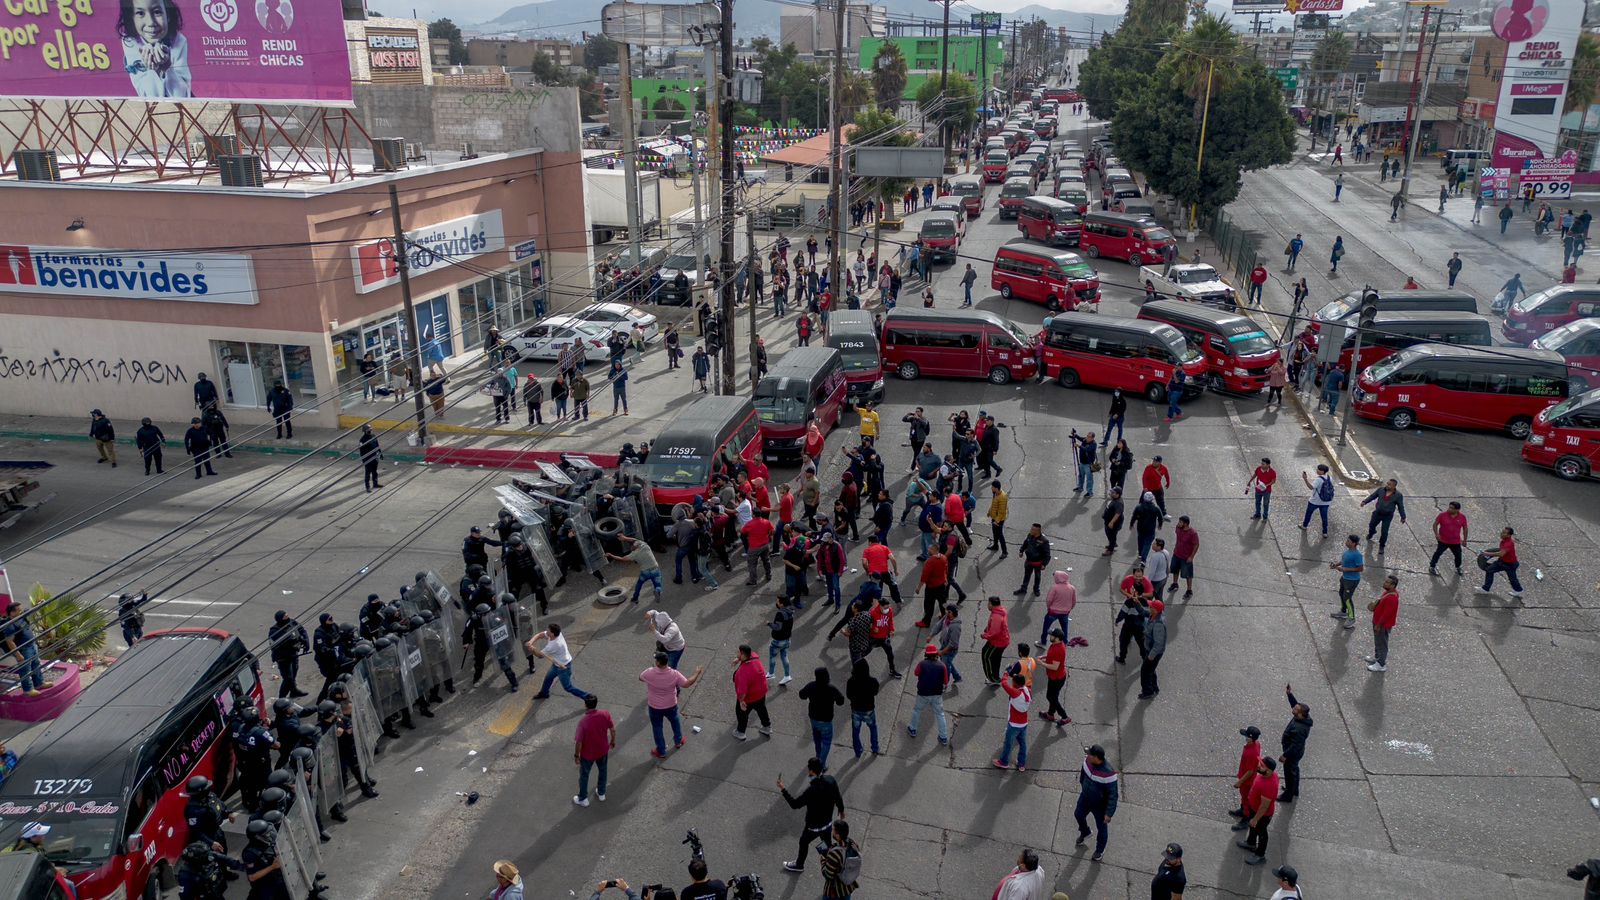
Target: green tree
(598,50)
(889,76)
(855,94)
(955,106)
(1129,54)
(449,31)
(1584,83)
(547,72)
(1204,58)
(882,129)
(1328,62)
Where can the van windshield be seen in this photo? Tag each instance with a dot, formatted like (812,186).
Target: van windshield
(1157,234)
(673,466)
(1250,343)
(1382,370)
(940,227)
(1532,302)
(1554,414)
(74,838)
(1335,310)
(780,400)
(858,353)
(1016,190)
(966,189)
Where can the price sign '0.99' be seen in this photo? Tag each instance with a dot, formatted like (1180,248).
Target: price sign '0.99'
(1555,189)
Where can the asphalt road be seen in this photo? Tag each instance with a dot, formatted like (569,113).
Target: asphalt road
(1464,771)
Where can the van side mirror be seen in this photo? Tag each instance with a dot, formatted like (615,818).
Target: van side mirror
(135,843)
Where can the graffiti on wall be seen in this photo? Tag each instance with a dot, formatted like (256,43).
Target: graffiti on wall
(61,369)
(520,98)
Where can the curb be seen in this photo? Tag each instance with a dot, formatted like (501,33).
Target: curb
(251,448)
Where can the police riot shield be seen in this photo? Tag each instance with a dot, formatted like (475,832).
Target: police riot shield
(385,671)
(434,595)
(641,497)
(414,675)
(519,616)
(434,642)
(330,790)
(365,719)
(298,842)
(497,624)
(594,556)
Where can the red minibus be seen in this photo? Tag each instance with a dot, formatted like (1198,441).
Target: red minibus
(1499,389)
(970,189)
(1237,352)
(1551,308)
(1059,279)
(1395,331)
(1109,352)
(807,383)
(1137,239)
(1047,220)
(109,776)
(1012,193)
(853,334)
(940,234)
(995,163)
(967,343)
(715,434)
(1579,344)
(1566,437)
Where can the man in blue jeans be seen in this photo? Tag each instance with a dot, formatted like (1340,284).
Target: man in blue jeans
(821,697)
(968,278)
(662,683)
(16,636)
(555,650)
(1350,566)
(1321,497)
(933,676)
(948,631)
(649,569)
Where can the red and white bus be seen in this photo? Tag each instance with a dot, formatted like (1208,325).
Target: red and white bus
(807,383)
(713,435)
(1132,354)
(109,775)
(1566,437)
(1482,389)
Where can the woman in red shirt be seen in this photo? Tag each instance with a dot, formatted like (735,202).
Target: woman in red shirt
(1505,560)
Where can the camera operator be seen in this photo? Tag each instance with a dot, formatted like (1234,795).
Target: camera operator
(702,888)
(617,883)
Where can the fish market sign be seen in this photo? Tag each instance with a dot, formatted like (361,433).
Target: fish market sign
(429,249)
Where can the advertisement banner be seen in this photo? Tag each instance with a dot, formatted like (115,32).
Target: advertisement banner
(127,275)
(430,248)
(1551,179)
(1540,37)
(1308,6)
(1249,7)
(269,51)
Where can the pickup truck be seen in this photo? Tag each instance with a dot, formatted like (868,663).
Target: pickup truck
(19,489)
(1190,281)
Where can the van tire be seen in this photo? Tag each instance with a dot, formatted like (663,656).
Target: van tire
(1155,392)
(1093,251)
(1520,427)
(152,888)
(1005,291)
(1135,260)
(999,375)
(1053,303)
(1572,468)
(908,371)
(1402,419)
(1068,378)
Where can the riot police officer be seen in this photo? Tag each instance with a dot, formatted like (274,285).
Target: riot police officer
(289,640)
(370,618)
(253,748)
(326,650)
(273,800)
(469,583)
(330,717)
(205,814)
(507,603)
(201,872)
(286,726)
(475,548)
(524,576)
(506,526)
(483,592)
(306,758)
(476,635)
(262,865)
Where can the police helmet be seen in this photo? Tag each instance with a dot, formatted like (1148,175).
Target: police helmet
(279,778)
(383,643)
(199,784)
(338,692)
(261,831)
(485,581)
(426,616)
(374,598)
(347,629)
(309,732)
(273,817)
(474,570)
(516,540)
(481,609)
(273,797)
(250,714)
(301,755)
(197,853)
(416,622)
(421,577)
(362,650)
(506,598)
(327,708)
(282,705)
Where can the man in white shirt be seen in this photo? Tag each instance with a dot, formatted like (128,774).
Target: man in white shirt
(555,650)
(1321,496)
(1288,884)
(1026,881)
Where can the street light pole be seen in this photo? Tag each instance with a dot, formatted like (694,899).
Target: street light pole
(729,214)
(836,155)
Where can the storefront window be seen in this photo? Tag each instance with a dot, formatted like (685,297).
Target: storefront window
(249,370)
(527,292)
(477,306)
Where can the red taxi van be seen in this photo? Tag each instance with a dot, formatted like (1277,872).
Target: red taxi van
(1047,220)
(1549,309)
(1579,344)
(967,343)
(970,189)
(995,163)
(714,434)
(1109,352)
(1237,352)
(1566,437)
(1012,193)
(1392,332)
(806,383)
(1462,387)
(853,333)
(1059,279)
(1137,239)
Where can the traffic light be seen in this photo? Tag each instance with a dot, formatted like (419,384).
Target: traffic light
(1369,310)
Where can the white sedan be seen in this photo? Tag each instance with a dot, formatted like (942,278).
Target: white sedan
(548,337)
(620,317)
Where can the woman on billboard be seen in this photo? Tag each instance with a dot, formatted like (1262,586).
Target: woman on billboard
(154,50)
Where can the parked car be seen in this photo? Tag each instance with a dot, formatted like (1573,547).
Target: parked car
(548,337)
(620,317)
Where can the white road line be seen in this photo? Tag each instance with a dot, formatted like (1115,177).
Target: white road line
(160,615)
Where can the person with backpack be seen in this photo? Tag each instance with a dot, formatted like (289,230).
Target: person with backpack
(1321,497)
(841,865)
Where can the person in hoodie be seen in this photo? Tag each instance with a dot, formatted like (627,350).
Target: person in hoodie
(1131,616)
(149,440)
(821,697)
(782,628)
(948,633)
(831,563)
(1097,796)
(1144,521)
(669,637)
(1027,881)
(750,692)
(862,690)
(996,638)
(1058,606)
(1294,745)
(1151,650)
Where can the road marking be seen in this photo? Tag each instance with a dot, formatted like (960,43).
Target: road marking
(1233,413)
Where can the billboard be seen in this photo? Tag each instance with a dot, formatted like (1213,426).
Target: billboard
(1540,37)
(432,248)
(127,275)
(1251,7)
(269,51)
(1307,6)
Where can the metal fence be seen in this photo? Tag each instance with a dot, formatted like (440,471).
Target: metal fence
(1235,246)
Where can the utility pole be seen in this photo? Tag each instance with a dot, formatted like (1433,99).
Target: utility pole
(728,213)
(750,294)
(713,138)
(1414,111)
(983,67)
(630,149)
(944,73)
(836,155)
(402,261)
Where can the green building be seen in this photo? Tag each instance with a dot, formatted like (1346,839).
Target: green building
(922,55)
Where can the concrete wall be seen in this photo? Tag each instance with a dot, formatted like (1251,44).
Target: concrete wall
(493,120)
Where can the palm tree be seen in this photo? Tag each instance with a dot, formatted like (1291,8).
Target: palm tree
(889,76)
(1584,83)
(855,93)
(1207,54)
(1330,59)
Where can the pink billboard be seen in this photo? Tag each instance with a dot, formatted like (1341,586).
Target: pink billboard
(269,51)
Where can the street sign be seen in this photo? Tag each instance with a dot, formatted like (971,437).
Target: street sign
(660,24)
(898,162)
(1288,77)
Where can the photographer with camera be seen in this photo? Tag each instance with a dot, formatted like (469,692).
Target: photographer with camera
(702,887)
(620,885)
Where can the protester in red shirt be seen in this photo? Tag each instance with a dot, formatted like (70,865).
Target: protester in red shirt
(1450,532)
(758,535)
(1185,545)
(1249,761)
(1156,479)
(1258,277)
(597,737)
(1055,667)
(814,442)
(749,692)
(1264,477)
(1135,585)
(1262,802)
(882,630)
(1385,610)
(881,566)
(996,638)
(785,506)
(1505,560)
(934,585)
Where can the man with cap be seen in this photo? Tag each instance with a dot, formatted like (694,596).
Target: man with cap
(933,677)
(1152,648)
(1248,759)
(197,443)
(474,548)
(1288,883)
(149,440)
(105,437)
(1170,879)
(1294,746)
(1261,804)
(32,837)
(1097,796)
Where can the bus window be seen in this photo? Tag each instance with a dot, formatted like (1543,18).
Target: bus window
(781,400)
